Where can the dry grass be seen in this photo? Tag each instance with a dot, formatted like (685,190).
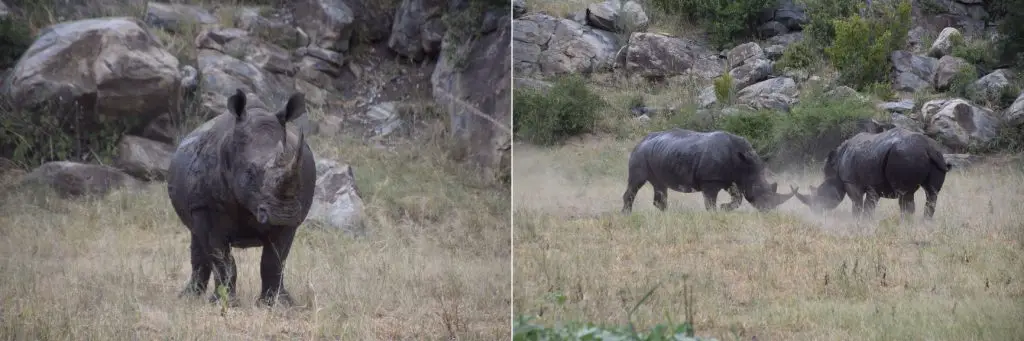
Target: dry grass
(434,266)
(785,275)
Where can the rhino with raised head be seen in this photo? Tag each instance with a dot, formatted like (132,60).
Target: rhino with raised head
(243,179)
(890,164)
(689,161)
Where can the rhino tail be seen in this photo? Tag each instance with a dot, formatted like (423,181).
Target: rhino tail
(939,160)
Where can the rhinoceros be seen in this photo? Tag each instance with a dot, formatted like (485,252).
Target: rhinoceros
(688,161)
(890,164)
(242,180)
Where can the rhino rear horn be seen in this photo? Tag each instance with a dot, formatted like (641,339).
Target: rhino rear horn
(803,198)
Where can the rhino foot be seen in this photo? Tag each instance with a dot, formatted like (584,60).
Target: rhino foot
(233,301)
(283,298)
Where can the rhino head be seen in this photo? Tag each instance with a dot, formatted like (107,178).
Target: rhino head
(830,193)
(760,193)
(265,166)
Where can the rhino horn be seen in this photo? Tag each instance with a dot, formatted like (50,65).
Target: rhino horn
(782,198)
(803,198)
(289,185)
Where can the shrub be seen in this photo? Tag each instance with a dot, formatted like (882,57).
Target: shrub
(797,56)
(975,51)
(821,14)
(15,38)
(1011,28)
(816,125)
(862,46)
(724,89)
(545,117)
(725,20)
(960,84)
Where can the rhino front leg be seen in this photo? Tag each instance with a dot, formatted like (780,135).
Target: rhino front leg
(870,202)
(737,198)
(660,197)
(272,269)
(710,192)
(857,198)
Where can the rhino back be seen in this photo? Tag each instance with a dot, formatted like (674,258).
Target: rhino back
(689,158)
(862,158)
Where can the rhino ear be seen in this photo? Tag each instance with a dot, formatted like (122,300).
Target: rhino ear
(295,107)
(236,103)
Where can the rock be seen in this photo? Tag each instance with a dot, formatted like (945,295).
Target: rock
(915,39)
(656,55)
(788,13)
(844,91)
(418,29)
(180,18)
(903,121)
(606,16)
(327,22)
(707,97)
(113,68)
(1015,114)
(382,111)
(276,32)
(4,10)
(753,71)
(787,39)
(903,106)
(775,93)
(238,44)
(943,44)
(960,125)
(142,158)
(71,179)
(337,202)
(478,98)
(545,45)
(518,8)
(992,85)
(374,19)
(912,73)
(771,29)
(961,161)
(774,52)
(331,125)
(947,68)
(222,74)
(739,54)
(189,79)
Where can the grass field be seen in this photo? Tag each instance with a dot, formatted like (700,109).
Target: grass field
(434,265)
(785,275)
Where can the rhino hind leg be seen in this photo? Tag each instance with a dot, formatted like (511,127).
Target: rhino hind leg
(737,198)
(275,252)
(661,197)
(636,180)
(201,269)
(932,188)
(907,206)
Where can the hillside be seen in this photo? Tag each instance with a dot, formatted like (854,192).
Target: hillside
(408,236)
(795,78)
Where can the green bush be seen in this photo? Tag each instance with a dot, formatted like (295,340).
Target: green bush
(1011,29)
(797,56)
(975,51)
(821,14)
(960,84)
(725,20)
(15,38)
(724,89)
(862,46)
(545,117)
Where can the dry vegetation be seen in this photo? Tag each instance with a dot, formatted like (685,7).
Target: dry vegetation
(434,265)
(786,275)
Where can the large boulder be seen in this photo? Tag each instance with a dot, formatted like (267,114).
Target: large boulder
(262,72)
(656,55)
(912,72)
(752,71)
(71,179)
(959,124)
(992,85)
(787,13)
(776,93)
(1015,114)
(418,30)
(548,45)
(943,44)
(477,96)
(114,69)
(617,16)
(329,23)
(143,158)
(373,19)
(740,54)
(271,29)
(946,69)
(337,202)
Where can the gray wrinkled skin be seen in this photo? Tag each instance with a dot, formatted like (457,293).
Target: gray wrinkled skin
(891,164)
(242,180)
(688,161)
